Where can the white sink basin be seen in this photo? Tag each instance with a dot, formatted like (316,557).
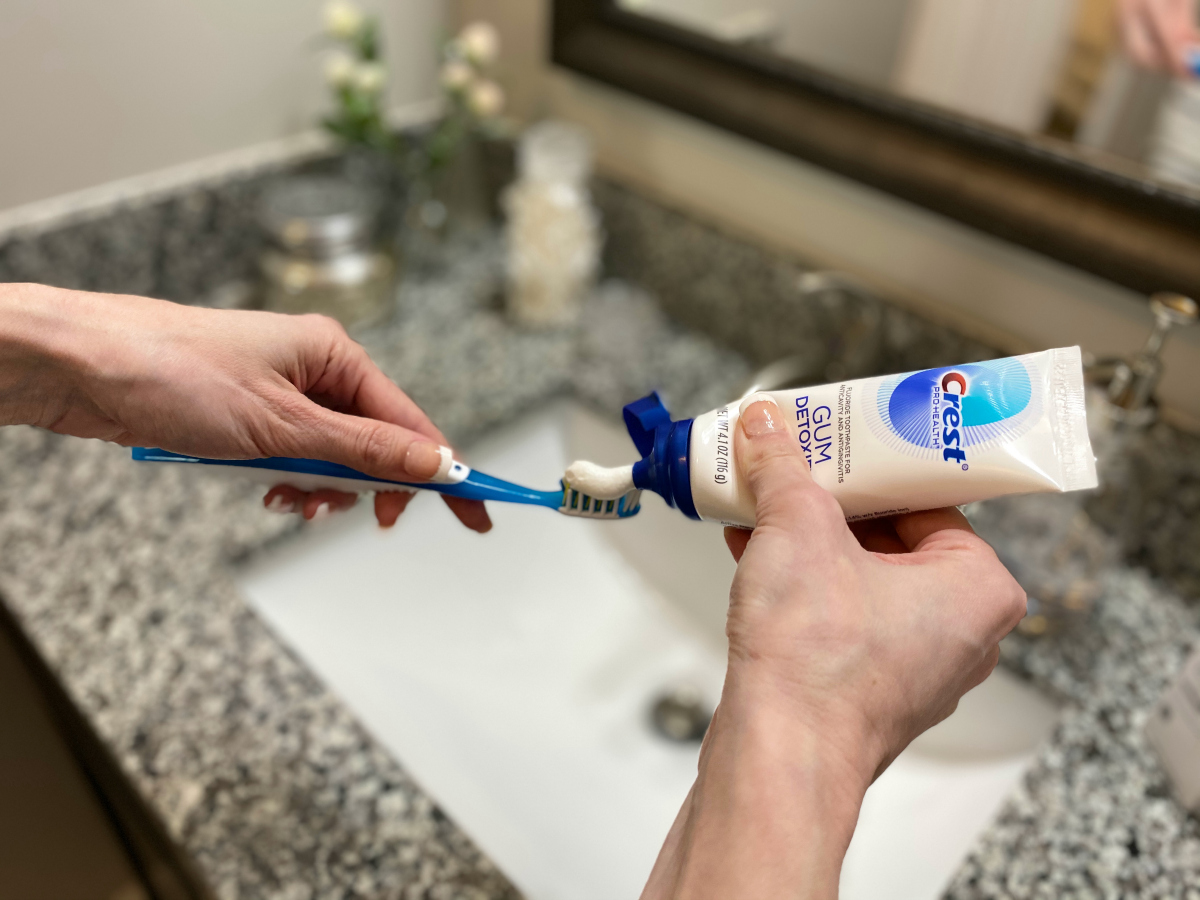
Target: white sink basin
(512,675)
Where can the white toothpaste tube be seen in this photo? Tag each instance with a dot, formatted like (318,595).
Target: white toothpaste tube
(892,444)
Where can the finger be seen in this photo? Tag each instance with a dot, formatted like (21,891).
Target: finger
(390,504)
(380,449)
(919,530)
(736,540)
(471,513)
(321,504)
(878,536)
(1134,37)
(1170,40)
(773,465)
(283,498)
(350,382)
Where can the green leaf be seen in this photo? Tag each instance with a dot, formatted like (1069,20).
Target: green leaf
(368,39)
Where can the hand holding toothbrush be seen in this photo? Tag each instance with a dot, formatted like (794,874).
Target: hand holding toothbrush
(216,383)
(845,643)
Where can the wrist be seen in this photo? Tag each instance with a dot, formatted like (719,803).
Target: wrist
(815,742)
(40,355)
(840,729)
(776,798)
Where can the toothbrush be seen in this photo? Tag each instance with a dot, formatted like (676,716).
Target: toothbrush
(620,499)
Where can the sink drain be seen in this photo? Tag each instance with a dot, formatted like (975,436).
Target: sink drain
(680,715)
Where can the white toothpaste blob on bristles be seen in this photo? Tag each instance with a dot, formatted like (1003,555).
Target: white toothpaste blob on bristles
(599,481)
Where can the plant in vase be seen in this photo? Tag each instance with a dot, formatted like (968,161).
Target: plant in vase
(357,77)
(374,155)
(450,174)
(329,232)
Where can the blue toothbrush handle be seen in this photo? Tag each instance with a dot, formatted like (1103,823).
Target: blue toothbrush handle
(480,486)
(315,473)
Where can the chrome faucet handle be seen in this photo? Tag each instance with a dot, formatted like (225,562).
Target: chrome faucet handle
(1170,311)
(1134,380)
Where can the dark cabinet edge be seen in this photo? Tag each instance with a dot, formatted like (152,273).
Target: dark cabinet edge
(1128,230)
(163,865)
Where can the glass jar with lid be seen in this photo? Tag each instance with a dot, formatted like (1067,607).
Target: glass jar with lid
(323,255)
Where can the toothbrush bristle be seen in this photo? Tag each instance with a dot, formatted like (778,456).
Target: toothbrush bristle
(577,503)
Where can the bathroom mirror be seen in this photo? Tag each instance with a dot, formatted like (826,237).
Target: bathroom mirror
(1028,119)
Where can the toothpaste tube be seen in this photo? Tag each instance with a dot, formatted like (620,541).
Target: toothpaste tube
(893,444)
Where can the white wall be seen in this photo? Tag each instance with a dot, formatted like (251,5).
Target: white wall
(853,38)
(856,39)
(97,90)
(995,60)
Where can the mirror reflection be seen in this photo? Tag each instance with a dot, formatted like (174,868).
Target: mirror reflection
(1118,77)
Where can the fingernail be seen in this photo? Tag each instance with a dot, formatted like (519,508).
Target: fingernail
(280,505)
(759,414)
(423,459)
(322,512)
(435,463)
(756,397)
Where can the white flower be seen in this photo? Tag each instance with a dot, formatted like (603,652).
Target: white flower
(369,77)
(343,19)
(485,99)
(456,75)
(479,43)
(339,69)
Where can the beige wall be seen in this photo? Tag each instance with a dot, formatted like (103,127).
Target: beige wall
(524,27)
(97,90)
(853,38)
(1009,296)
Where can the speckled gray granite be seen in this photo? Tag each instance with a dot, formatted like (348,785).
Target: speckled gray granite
(1155,515)
(1093,816)
(184,246)
(201,245)
(119,573)
(121,576)
(752,298)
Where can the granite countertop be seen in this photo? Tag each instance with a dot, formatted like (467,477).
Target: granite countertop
(1093,816)
(120,574)
(121,577)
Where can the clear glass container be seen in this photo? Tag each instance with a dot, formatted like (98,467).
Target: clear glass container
(553,230)
(322,257)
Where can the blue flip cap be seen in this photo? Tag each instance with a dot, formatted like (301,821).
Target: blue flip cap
(663,444)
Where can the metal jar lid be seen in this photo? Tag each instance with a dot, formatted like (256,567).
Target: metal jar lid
(318,217)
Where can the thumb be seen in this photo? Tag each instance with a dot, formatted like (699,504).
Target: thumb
(772,462)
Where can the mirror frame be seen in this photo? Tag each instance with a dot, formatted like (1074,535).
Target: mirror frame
(1034,191)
